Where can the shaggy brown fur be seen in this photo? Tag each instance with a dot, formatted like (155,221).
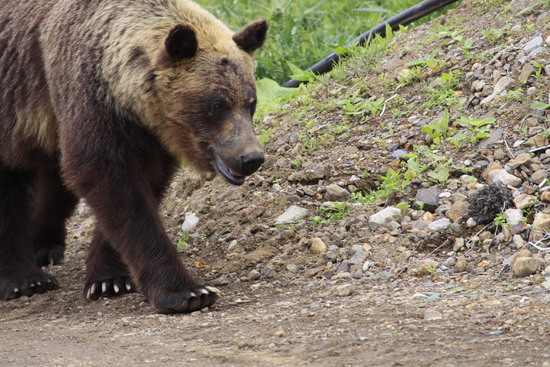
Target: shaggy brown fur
(101,100)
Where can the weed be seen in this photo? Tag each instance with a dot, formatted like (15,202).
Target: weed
(329,214)
(438,129)
(476,130)
(182,242)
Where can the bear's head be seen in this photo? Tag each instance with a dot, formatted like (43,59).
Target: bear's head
(206,94)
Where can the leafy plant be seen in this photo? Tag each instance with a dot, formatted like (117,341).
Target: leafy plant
(476,130)
(329,214)
(438,129)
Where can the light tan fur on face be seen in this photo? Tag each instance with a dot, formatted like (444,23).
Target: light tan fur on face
(139,29)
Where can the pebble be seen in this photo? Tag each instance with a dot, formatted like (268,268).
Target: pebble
(254,275)
(500,175)
(190,223)
(429,197)
(292,214)
(532,44)
(344,290)
(461,264)
(513,216)
(432,314)
(337,193)
(525,266)
(458,210)
(384,216)
(539,176)
(541,222)
(440,225)
(318,246)
(524,201)
(520,160)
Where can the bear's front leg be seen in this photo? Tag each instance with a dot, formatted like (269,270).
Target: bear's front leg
(124,196)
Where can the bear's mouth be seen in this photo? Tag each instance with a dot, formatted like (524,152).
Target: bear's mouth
(227,173)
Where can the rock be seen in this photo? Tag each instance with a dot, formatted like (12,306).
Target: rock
(312,174)
(539,176)
(545,196)
(490,168)
(400,153)
(190,223)
(344,290)
(500,175)
(461,264)
(251,213)
(524,266)
(500,87)
(513,216)
(440,225)
(254,275)
(494,137)
(292,214)
(534,43)
(318,246)
(337,193)
(384,216)
(526,72)
(518,241)
(458,210)
(429,197)
(432,314)
(524,201)
(359,257)
(471,223)
(541,222)
(520,160)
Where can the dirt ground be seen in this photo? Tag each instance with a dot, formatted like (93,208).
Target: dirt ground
(284,305)
(463,322)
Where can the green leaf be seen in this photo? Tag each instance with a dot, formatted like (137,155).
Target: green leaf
(270,93)
(540,105)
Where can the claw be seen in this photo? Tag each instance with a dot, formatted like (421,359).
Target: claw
(193,295)
(213,290)
(103,287)
(89,294)
(115,288)
(203,291)
(15,290)
(93,288)
(128,286)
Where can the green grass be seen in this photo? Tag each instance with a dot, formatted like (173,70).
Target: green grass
(303,32)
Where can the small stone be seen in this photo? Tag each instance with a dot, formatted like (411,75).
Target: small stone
(500,175)
(337,193)
(525,266)
(546,284)
(494,137)
(500,87)
(513,216)
(526,72)
(318,246)
(461,264)
(279,333)
(471,223)
(534,43)
(541,222)
(458,210)
(190,223)
(520,160)
(545,196)
(384,216)
(440,225)
(518,241)
(344,290)
(359,257)
(254,275)
(429,197)
(491,167)
(524,201)
(291,215)
(432,314)
(539,176)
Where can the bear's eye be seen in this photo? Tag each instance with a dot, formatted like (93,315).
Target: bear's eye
(219,110)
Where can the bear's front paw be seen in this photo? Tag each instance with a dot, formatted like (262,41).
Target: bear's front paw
(25,283)
(108,288)
(187,301)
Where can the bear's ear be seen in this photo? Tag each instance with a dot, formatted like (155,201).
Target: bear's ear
(181,43)
(252,37)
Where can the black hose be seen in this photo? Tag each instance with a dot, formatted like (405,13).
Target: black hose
(402,19)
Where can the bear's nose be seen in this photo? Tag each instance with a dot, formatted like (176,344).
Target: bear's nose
(251,162)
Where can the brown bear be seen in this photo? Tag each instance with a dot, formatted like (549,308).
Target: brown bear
(101,100)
